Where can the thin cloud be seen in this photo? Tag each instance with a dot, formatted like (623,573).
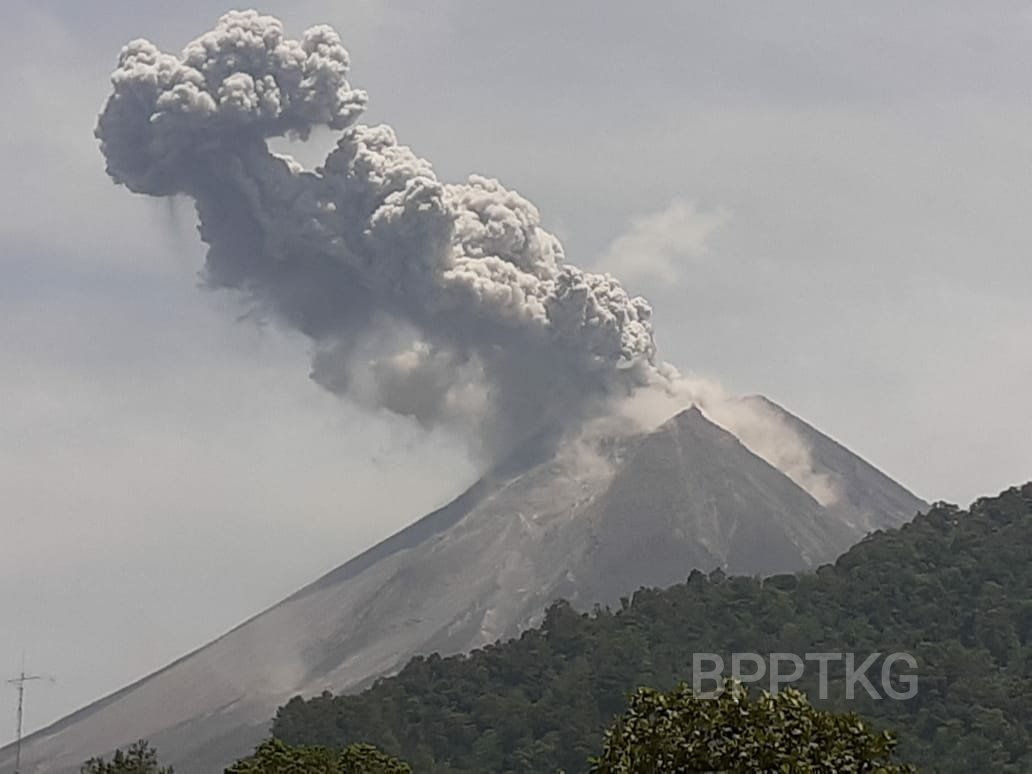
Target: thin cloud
(662,245)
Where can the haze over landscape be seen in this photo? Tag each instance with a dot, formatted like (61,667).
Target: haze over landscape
(844,232)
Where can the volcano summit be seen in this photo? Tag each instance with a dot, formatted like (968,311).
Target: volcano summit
(587,524)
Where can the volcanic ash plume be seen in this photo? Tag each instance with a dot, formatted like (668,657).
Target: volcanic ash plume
(445,302)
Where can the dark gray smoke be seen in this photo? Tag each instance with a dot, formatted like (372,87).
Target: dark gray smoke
(445,302)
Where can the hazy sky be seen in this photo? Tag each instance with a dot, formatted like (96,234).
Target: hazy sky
(826,203)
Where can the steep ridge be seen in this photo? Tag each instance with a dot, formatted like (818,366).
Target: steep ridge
(868,499)
(586,525)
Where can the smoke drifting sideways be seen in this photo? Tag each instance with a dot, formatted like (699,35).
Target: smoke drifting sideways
(448,303)
(760,427)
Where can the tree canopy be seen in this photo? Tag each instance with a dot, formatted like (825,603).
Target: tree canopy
(275,757)
(679,731)
(138,758)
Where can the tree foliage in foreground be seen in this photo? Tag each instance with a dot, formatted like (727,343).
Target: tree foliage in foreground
(138,758)
(275,757)
(678,731)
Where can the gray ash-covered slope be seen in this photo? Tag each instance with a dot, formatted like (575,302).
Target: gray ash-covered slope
(587,525)
(691,495)
(867,499)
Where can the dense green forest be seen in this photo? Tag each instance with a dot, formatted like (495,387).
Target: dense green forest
(675,731)
(953,588)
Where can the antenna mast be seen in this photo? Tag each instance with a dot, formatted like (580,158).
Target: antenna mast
(19,683)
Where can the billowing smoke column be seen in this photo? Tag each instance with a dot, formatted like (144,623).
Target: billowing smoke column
(445,302)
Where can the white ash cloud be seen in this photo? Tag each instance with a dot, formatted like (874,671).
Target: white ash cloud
(498,324)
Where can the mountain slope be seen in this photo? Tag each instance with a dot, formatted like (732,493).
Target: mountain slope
(868,499)
(952,589)
(585,524)
(692,496)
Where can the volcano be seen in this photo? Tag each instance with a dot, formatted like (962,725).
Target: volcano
(589,524)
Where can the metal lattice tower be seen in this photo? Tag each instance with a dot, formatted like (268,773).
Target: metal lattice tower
(19,683)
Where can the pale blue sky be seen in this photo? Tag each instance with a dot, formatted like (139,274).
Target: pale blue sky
(168,470)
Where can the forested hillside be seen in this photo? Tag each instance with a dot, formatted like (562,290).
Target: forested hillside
(953,588)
